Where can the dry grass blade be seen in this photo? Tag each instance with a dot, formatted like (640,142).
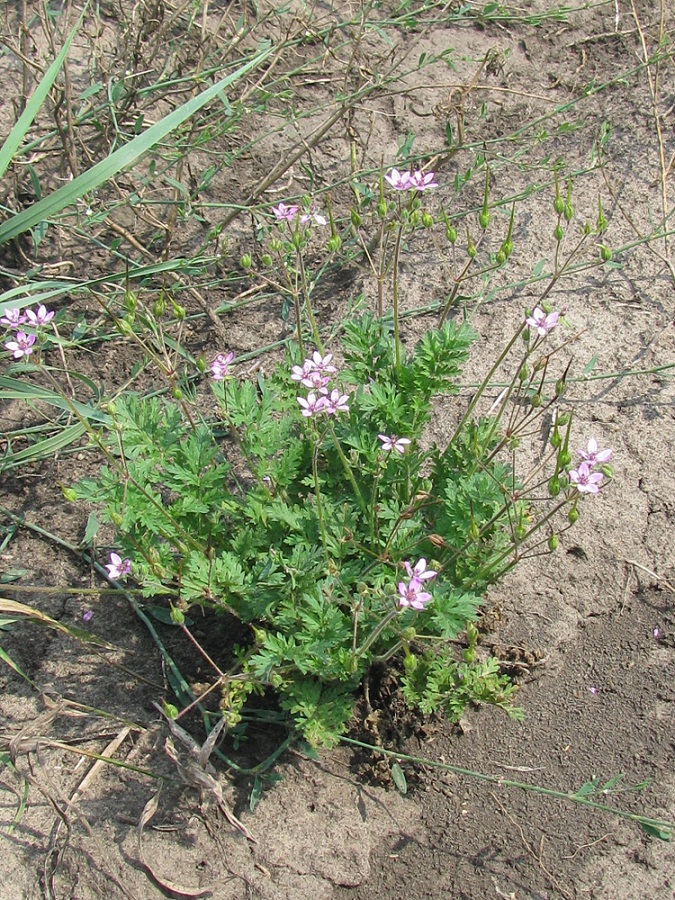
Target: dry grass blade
(165,884)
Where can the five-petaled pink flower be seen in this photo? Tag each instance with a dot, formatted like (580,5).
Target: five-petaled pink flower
(400,181)
(13,318)
(594,457)
(312,404)
(22,346)
(118,567)
(220,366)
(392,442)
(422,181)
(284,213)
(41,317)
(420,571)
(311,215)
(585,480)
(412,595)
(336,402)
(541,321)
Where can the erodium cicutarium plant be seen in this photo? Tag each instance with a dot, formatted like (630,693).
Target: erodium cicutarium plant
(314,507)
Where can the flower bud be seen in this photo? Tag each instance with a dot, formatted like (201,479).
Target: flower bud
(563,418)
(605,253)
(587,229)
(130,301)
(116,519)
(356,218)
(484,219)
(535,400)
(573,515)
(469,655)
(334,243)
(568,212)
(382,208)
(297,240)
(410,663)
(276,244)
(553,542)
(554,486)
(69,494)
(451,234)
(507,248)
(415,217)
(158,306)
(471,249)
(170,711)
(521,531)
(124,327)
(246,261)
(179,311)
(556,438)
(177,616)
(474,531)
(427,220)
(560,387)
(500,258)
(524,373)
(177,394)
(266,259)
(201,364)
(564,458)
(526,335)
(558,232)
(409,634)
(559,205)
(607,471)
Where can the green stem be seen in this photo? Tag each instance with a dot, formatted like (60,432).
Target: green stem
(376,632)
(397,340)
(308,303)
(659,824)
(348,470)
(317,491)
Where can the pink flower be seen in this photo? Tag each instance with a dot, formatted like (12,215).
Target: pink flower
(412,595)
(322,363)
(314,372)
(87,615)
(393,443)
(220,366)
(541,321)
(312,405)
(13,318)
(22,346)
(586,481)
(423,182)
(311,215)
(336,403)
(420,571)
(41,317)
(594,457)
(285,213)
(400,181)
(118,567)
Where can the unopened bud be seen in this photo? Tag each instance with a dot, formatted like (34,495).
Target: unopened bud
(469,655)
(524,373)
(535,400)
(564,458)
(573,515)
(526,335)
(587,229)
(559,205)
(116,519)
(246,261)
(558,232)
(500,258)
(356,218)
(560,387)
(605,253)
(201,364)
(484,219)
(554,486)
(556,439)
(276,244)
(451,234)
(415,217)
(334,243)
(266,259)
(568,212)
(427,220)
(553,542)
(177,394)
(382,209)
(177,616)
(170,711)
(179,311)
(158,306)
(507,248)
(69,494)
(124,326)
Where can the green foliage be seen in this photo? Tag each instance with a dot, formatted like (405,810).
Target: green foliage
(302,526)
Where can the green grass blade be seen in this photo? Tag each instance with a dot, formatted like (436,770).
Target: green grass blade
(43,449)
(120,159)
(15,389)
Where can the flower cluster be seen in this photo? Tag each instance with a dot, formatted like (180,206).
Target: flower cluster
(411,594)
(22,345)
(314,374)
(411,181)
(584,478)
(284,213)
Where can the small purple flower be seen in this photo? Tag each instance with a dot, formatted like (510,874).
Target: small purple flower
(220,366)
(312,405)
(336,403)
(412,595)
(41,317)
(13,318)
(422,181)
(400,181)
(118,567)
(393,443)
(586,481)
(594,457)
(285,213)
(541,321)
(657,634)
(87,615)
(593,690)
(322,363)
(310,214)
(22,346)
(420,571)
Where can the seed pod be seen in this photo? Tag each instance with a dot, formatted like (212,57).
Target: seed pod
(427,220)
(415,217)
(560,387)
(266,259)
(276,245)
(334,243)
(558,232)
(554,486)
(500,258)
(556,438)
(69,494)
(564,458)
(356,218)
(158,306)
(177,394)
(179,311)
(177,616)
(524,373)
(484,219)
(573,515)
(201,364)
(568,212)
(535,400)
(451,234)
(559,205)
(246,261)
(553,542)
(382,208)
(605,253)
(507,248)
